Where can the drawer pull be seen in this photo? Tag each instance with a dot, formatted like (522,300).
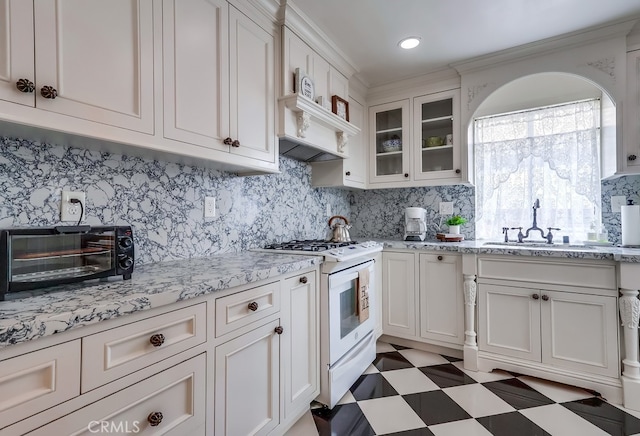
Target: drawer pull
(440,257)
(303,279)
(157,339)
(535,296)
(279,330)
(545,298)
(235,143)
(227,141)
(253,306)
(155,418)
(25,85)
(48,92)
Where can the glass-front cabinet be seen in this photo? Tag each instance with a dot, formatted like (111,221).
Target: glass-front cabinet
(391,141)
(436,129)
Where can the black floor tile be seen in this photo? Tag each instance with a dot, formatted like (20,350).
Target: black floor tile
(391,361)
(518,394)
(400,347)
(446,375)
(370,386)
(435,407)
(415,432)
(346,419)
(511,424)
(602,414)
(451,359)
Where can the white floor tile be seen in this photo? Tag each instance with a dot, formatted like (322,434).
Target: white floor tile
(477,400)
(390,415)
(304,427)
(383,347)
(409,381)
(557,419)
(422,358)
(484,377)
(371,370)
(347,398)
(466,427)
(557,392)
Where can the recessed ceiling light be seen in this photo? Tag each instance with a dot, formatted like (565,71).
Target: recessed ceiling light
(410,42)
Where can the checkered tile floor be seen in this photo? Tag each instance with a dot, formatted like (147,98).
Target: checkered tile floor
(414,393)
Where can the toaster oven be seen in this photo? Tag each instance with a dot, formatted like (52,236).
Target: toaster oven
(40,257)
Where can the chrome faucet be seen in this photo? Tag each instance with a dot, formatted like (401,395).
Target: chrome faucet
(548,236)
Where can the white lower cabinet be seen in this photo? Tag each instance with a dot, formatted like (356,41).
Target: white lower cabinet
(568,330)
(247,383)
(399,295)
(169,403)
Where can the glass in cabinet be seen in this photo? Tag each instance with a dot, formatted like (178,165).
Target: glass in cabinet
(390,140)
(437,130)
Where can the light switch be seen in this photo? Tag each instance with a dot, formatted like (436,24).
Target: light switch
(616,202)
(446,208)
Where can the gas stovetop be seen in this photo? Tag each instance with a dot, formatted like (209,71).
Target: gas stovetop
(332,251)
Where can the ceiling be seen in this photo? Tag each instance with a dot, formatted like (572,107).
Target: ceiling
(368,31)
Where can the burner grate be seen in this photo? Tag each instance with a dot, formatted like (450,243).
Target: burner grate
(308,245)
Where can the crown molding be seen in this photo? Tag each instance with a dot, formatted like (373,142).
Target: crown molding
(292,17)
(435,81)
(545,46)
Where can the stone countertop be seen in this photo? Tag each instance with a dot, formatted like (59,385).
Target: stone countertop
(151,286)
(576,251)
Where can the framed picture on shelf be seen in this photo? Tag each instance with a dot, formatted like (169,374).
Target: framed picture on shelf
(340,107)
(303,84)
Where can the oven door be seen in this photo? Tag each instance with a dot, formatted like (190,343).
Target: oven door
(345,326)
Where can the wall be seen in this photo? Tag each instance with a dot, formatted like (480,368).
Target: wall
(164,201)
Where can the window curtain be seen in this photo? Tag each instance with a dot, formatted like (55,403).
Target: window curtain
(550,154)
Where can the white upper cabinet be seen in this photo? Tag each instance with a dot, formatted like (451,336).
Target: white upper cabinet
(16,62)
(195,67)
(390,143)
(98,57)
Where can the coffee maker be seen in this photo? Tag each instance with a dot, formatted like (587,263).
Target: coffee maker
(415,224)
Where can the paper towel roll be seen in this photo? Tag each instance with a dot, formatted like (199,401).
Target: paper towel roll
(630,221)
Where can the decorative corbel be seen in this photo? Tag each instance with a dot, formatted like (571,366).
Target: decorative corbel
(304,121)
(343,139)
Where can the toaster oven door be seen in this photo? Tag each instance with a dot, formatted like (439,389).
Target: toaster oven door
(59,257)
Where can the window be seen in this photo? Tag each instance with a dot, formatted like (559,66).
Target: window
(550,154)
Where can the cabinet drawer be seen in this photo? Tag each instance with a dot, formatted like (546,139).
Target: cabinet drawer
(178,394)
(114,353)
(36,381)
(237,310)
(552,272)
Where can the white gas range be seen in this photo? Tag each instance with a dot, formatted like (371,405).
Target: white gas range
(347,339)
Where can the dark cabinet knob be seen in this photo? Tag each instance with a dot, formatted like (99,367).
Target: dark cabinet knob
(155,418)
(157,339)
(25,85)
(545,298)
(348,173)
(535,296)
(458,171)
(253,306)
(278,330)
(303,279)
(406,174)
(440,258)
(235,143)
(48,92)
(632,157)
(227,141)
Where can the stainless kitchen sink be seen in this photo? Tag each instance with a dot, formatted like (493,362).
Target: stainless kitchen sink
(541,245)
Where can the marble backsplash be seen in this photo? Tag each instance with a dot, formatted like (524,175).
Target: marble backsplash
(627,186)
(164,202)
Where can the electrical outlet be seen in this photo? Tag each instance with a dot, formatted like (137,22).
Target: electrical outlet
(328,210)
(209,207)
(446,208)
(71,211)
(616,202)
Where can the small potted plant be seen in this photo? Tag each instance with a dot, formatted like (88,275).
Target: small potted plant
(454,224)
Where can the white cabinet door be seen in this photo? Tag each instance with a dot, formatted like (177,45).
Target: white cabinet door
(300,343)
(16,50)
(389,159)
(441,298)
(247,383)
(104,76)
(195,71)
(580,332)
(631,144)
(399,295)
(252,88)
(296,54)
(509,321)
(355,164)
